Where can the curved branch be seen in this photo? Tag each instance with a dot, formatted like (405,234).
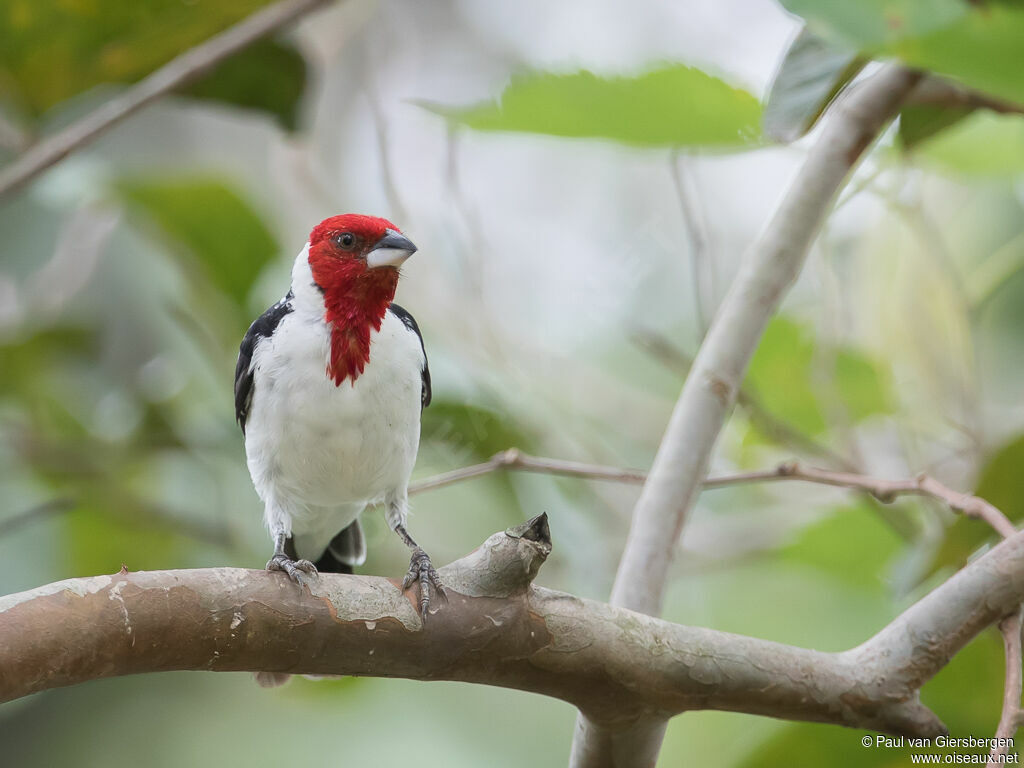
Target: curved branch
(768,270)
(618,667)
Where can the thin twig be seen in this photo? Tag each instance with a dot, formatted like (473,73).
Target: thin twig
(884,491)
(696,230)
(1010,720)
(180,71)
(513,458)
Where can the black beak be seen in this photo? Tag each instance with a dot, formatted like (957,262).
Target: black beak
(396,240)
(391,250)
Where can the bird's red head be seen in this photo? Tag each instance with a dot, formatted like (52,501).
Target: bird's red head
(354,260)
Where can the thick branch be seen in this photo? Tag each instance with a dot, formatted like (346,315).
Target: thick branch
(176,73)
(619,667)
(709,393)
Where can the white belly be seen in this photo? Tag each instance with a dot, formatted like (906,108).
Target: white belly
(319,453)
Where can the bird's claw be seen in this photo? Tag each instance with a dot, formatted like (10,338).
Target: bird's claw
(422,572)
(297,570)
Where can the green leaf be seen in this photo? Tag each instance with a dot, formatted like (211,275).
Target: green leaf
(812,74)
(978,44)
(872,23)
(99,540)
(791,384)
(853,545)
(982,49)
(984,144)
(55,50)
(863,387)
(780,373)
(919,122)
(213,223)
(675,106)
(475,430)
(1002,484)
(267,76)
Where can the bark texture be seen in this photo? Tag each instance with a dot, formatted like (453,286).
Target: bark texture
(621,668)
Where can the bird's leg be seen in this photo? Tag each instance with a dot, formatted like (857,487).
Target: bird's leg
(421,571)
(284,560)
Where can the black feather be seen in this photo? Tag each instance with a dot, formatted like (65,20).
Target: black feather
(409,322)
(262,328)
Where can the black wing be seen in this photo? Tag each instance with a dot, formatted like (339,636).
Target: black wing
(410,323)
(262,328)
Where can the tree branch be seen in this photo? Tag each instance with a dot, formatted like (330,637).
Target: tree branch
(617,666)
(1010,719)
(180,71)
(884,491)
(709,393)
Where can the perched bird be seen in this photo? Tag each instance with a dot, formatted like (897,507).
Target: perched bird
(329,387)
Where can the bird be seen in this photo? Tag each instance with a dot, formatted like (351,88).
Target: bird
(330,385)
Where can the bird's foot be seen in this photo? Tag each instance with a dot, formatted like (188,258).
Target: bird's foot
(421,571)
(298,571)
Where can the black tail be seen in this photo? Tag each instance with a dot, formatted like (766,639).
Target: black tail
(346,549)
(328,563)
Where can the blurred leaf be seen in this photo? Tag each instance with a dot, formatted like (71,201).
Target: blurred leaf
(806,744)
(863,387)
(23,359)
(981,49)
(996,271)
(266,76)
(475,430)
(812,74)
(871,23)
(100,541)
(673,106)
(225,235)
(976,43)
(968,692)
(853,545)
(783,374)
(985,143)
(55,50)
(780,372)
(922,121)
(1002,484)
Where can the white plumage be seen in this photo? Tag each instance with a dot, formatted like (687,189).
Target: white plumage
(318,452)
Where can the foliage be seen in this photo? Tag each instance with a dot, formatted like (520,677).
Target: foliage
(54,52)
(675,106)
(976,43)
(117,348)
(812,73)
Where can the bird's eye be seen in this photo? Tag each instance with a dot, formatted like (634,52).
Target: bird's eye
(345,240)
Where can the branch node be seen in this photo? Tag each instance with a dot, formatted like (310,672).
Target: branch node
(535,529)
(787,469)
(510,457)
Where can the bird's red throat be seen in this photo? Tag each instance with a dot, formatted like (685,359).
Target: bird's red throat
(355,302)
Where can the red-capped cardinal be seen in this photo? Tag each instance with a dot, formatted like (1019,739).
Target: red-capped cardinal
(329,388)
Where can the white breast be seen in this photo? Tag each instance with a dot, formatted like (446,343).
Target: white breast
(317,452)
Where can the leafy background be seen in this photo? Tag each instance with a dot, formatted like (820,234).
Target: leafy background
(582,180)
